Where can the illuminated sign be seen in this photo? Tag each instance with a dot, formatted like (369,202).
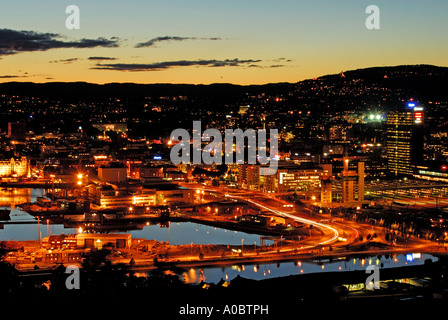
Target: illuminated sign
(418,117)
(412,256)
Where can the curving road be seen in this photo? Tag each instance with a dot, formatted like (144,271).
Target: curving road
(326,239)
(331,231)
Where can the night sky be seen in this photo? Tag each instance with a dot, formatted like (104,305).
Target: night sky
(209,41)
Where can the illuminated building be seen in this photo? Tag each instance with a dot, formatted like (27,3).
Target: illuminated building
(89,240)
(289,177)
(326,193)
(404,145)
(107,196)
(305,177)
(433,174)
(15,167)
(350,179)
(243,109)
(116,127)
(248,176)
(112,175)
(157,192)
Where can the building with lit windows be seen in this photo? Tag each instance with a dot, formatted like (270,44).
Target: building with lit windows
(119,127)
(352,184)
(15,167)
(289,177)
(431,173)
(295,178)
(152,193)
(404,144)
(326,193)
(248,176)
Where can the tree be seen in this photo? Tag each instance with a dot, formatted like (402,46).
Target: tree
(96,259)
(8,274)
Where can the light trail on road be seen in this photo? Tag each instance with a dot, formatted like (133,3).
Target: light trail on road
(295,218)
(284,214)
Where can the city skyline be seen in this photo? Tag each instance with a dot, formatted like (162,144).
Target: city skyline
(213,42)
(220,157)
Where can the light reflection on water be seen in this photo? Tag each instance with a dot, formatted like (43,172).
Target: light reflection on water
(177,234)
(274,270)
(188,232)
(10,198)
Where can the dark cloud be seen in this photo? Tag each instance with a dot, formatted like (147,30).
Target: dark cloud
(102,58)
(171,64)
(266,67)
(282,60)
(152,42)
(10,76)
(13,41)
(65,61)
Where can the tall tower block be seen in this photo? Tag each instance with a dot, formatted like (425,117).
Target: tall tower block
(405,139)
(326,194)
(348,183)
(361,181)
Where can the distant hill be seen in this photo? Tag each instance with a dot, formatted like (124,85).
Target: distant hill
(420,80)
(377,85)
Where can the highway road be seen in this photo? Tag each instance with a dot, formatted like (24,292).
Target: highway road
(334,232)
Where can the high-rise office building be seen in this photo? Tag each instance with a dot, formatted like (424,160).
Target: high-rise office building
(326,193)
(404,145)
(348,178)
(249,176)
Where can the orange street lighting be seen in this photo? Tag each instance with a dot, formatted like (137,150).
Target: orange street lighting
(79,175)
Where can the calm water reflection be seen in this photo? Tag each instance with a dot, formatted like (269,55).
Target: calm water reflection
(273,270)
(187,232)
(177,233)
(10,198)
